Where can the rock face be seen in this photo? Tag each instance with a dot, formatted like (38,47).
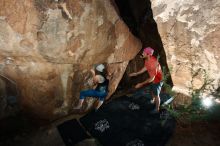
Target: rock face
(138,16)
(190,31)
(48,49)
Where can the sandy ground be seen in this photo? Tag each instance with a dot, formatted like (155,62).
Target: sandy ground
(196,134)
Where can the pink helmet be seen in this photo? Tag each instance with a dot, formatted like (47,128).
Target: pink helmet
(149,51)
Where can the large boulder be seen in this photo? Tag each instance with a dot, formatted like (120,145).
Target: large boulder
(190,31)
(48,49)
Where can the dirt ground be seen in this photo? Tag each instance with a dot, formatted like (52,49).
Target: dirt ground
(196,134)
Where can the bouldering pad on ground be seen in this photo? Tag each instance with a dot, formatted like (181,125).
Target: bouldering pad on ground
(129,121)
(72,132)
(125,121)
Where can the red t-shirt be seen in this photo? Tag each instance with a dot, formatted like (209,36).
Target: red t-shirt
(154,69)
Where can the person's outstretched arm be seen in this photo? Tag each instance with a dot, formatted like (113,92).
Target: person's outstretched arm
(149,80)
(152,73)
(139,72)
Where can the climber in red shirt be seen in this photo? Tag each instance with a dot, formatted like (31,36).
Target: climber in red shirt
(153,68)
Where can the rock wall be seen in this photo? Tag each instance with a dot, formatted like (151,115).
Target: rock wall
(190,31)
(48,48)
(138,16)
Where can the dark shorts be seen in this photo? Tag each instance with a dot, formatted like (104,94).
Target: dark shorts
(156,88)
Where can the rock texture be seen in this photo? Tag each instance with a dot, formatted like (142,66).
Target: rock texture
(139,17)
(190,31)
(48,49)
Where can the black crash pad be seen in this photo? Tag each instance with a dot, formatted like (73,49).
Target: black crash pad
(129,121)
(72,132)
(125,121)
